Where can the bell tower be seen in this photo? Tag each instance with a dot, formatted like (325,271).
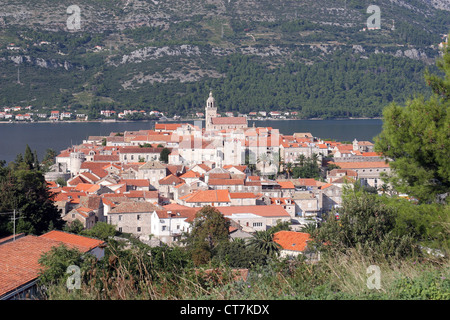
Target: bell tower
(210,111)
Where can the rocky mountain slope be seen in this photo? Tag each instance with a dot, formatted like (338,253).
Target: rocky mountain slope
(168,54)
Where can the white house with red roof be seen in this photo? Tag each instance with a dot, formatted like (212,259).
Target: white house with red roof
(168,225)
(256,218)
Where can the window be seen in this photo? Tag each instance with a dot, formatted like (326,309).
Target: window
(257,224)
(138,229)
(163,228)
(120,217)
(120,229)
(138,217)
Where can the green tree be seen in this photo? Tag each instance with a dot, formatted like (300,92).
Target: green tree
(55,262)
(208,230)
(236,254)
(308,168)
(48,160)
(76,227)
(101,230)
(164,155)
(367,224)
(24,189)
(416,138)
(310,228)
(28,158)
(263,242)
(289,169)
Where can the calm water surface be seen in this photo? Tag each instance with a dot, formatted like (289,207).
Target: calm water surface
(58,136)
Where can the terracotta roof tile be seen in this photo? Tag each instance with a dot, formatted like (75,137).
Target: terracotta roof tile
(362,165)
(135,206)
(225,182)
(261,210)
(19,259)
(170,180)
(207,196)
(286,184)
(136,182)
(229,120)
(243,195)
(291,240)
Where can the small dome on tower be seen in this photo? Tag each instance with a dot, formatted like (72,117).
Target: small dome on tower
(211,102)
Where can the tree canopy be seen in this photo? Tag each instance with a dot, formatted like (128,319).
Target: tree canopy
(416,138)
(209,229)
(23,188)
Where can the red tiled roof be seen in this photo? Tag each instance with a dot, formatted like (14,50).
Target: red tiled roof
(207,196)
(87,187)
(347,172)
(168,126)
(219,175)
(101,157)
(52,184)
(344,179)
(240,167)
(142,194)
(326,186)
(82,243)
(308,182)
(90,165)
(170,180)
(362,165)
(227,182)
(242,195)
(342,147)
(136,182)
(204,166)
(76,181)
(73,196)
(139,150)
(229,120)
(19,259)
(371,154)
(135,206)
(190,174)
(291,240)
(286,184)
(261,210)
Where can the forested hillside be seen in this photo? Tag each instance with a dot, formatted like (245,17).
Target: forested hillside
(314,57)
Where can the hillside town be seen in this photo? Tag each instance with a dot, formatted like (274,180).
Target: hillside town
(150,184)
(122,179)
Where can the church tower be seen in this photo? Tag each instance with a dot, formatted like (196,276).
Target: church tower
(210,111)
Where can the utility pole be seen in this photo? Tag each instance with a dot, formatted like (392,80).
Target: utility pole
(13,219)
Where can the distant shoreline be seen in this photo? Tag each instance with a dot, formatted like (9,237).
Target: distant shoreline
(181,120)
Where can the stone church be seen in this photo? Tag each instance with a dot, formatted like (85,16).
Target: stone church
(213,122)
